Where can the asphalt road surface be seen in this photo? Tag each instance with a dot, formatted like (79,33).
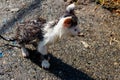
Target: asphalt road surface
(95,56)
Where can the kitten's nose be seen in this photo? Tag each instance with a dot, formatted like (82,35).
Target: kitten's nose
(78,33)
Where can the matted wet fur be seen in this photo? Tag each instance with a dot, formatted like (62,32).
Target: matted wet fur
(30,30)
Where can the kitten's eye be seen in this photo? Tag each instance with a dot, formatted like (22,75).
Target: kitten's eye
(75,29)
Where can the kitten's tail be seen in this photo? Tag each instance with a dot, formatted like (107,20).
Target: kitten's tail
(7,39)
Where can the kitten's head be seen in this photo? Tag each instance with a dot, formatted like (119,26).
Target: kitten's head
(70,21)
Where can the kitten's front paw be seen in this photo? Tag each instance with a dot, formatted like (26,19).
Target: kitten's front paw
(45,64)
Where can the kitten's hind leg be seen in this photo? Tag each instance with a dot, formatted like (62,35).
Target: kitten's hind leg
(24,51)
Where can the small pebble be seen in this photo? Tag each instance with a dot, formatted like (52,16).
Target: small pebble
(4,21)
(115,63)
(14,9)
(85,44)
(1,54)
(14,42)
(4,62)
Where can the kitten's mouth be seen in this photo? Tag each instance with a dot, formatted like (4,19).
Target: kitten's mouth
(72,36)
(79,35)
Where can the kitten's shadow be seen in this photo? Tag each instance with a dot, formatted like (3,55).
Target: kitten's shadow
(59,68)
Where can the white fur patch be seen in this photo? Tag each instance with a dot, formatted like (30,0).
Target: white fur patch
(47,27)
(42,48)
(45,64)
(52,34)
(55,33)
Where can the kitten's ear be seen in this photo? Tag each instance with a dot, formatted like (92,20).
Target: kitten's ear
(70,8)
(67,22)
